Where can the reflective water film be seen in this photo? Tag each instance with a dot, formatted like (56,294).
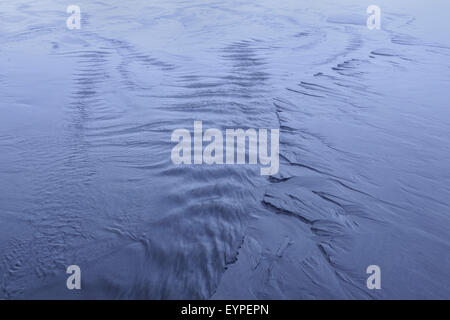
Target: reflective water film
(321,169)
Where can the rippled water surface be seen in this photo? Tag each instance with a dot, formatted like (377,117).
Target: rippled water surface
(86,177)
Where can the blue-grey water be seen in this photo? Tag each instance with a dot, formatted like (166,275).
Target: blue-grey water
(86,176)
